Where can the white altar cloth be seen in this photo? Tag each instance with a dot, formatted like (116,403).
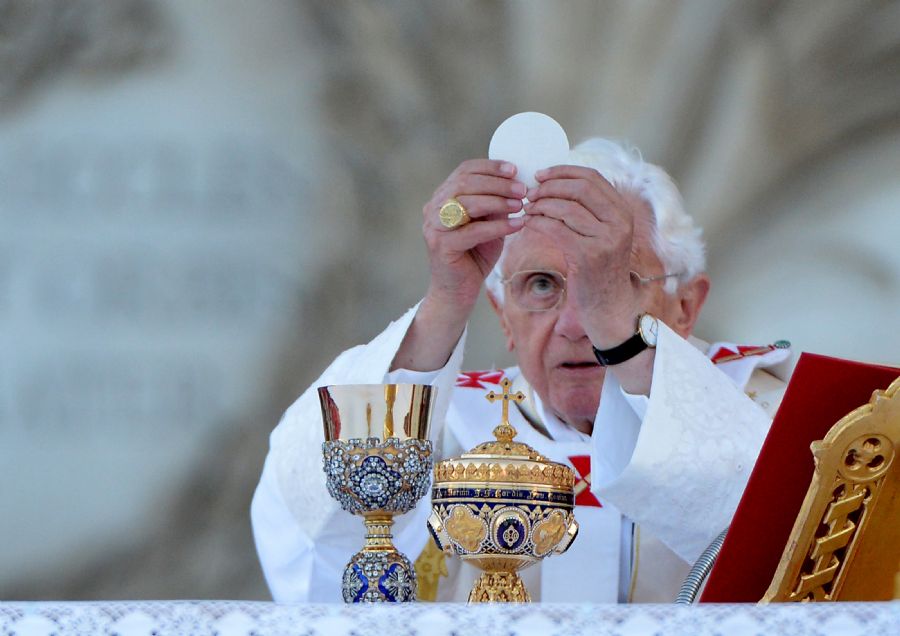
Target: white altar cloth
(233,618)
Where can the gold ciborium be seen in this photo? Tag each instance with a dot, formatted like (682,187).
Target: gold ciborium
(502,507)
(377,461)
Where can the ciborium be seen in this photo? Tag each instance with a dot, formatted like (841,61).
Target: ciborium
(377,461)
(502,507)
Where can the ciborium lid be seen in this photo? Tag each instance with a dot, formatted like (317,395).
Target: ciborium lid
(503,460)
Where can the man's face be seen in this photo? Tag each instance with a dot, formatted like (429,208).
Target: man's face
(552,348)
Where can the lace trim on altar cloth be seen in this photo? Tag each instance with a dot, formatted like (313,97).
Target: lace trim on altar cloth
(239,618)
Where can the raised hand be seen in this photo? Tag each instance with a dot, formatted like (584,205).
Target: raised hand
(594,226)
(460,258)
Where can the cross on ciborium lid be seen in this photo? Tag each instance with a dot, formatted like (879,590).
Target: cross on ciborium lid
(504,431)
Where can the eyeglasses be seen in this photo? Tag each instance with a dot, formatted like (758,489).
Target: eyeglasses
(643,280)
(543,290)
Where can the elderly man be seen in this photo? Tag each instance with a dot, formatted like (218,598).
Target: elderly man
(597,288)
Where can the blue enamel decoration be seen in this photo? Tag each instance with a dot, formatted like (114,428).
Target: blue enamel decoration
(510,534)
(396,584)
(355,584)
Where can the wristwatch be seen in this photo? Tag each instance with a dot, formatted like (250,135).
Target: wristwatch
(644,338)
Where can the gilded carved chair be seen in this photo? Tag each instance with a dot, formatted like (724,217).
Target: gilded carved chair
(845,545)
(845,542)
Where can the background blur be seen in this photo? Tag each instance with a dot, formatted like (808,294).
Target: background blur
(202,203)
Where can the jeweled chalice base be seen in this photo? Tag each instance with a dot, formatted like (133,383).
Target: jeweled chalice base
(379,572)
(378,479)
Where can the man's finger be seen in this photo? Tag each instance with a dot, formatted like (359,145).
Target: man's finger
(488,167)
(481,205)
(465,238)
(577,172)
(482,184)
(567,172)
(587,193)
(571,214)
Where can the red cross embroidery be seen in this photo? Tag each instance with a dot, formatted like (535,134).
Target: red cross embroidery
(727,355)
(583,494)
(474,379)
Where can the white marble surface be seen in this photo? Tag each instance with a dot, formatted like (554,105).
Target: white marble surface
(232,618)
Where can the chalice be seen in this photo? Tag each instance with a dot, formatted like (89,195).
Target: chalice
(377,462)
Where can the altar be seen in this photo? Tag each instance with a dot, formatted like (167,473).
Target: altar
(240,618)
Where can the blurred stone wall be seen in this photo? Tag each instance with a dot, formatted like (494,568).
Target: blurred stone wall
(203,203)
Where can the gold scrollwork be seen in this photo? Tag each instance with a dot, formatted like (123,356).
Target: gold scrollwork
(499,587)
(840,522)
(558,477)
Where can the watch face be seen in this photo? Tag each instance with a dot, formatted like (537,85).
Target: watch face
(649,327)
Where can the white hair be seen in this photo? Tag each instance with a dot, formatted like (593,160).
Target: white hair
(675,239)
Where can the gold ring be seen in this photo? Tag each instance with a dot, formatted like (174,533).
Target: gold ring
(453,214)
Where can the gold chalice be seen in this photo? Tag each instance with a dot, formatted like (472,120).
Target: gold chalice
(377,461)
(502,507)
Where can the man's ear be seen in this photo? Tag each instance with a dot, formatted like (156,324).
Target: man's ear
(691,298)
(504,325)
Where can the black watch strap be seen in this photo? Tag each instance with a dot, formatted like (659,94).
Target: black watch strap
(620,353)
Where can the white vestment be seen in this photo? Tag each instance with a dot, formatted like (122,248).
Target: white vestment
(667,471)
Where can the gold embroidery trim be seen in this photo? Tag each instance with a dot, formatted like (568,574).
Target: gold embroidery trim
(430,567)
